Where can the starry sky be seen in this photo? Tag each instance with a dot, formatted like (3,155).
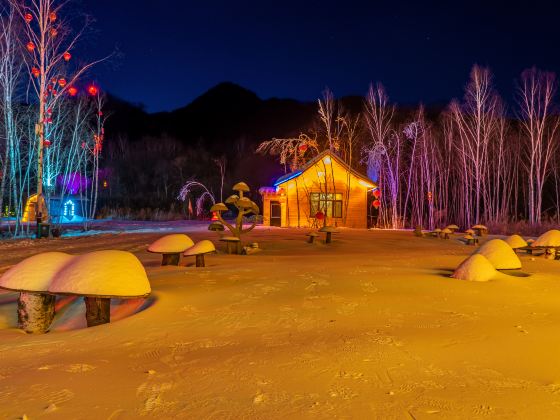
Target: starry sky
(169,52)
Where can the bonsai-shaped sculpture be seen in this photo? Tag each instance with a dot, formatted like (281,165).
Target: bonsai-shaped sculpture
(245,207)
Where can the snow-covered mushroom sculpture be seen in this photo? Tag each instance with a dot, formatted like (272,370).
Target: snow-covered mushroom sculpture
(436,232)
(446,232)
(31,278)
(244,207)
(475,268)
(311,237)
(200,249)
(216,227)
(515,241)
(418,231)
(500,255)
(452,228)
(328,230)
(469,239)
(171,247)
(548,239)
(480,230)
(470,232)
(100,276)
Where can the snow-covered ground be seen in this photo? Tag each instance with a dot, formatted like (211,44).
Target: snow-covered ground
(371,326)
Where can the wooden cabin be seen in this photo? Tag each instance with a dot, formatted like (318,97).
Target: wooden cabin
(324,185)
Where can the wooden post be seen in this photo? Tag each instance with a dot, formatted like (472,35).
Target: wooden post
(170,259)
(200,260)
(97,310)
(35,312)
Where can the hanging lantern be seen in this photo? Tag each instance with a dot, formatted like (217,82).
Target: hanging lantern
(105,184)
(302,148)
(54,32)
(28,18)
(47,142)
(52,16)
(48,120)
(377,193)
(214,217)
(35,71)
(67,56)
(92,90)
(62,82)
(100,113)
(49,111)
(30,46)
(429,196)
(376,204)
(72,91)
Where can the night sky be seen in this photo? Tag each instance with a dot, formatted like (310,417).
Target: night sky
(172,51)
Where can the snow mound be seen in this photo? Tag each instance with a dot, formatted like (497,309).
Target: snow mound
(203,247)
(500,255)
(475,268)
(171,244)
(550,238)
(103,274)
(515,241)
(35,274)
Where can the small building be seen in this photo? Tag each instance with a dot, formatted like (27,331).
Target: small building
(61,209)
(325,185)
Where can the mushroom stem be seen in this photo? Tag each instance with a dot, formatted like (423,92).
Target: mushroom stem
(311,239)
(200,260)
(170,259)
(97,310)
(35,312)
(328,239)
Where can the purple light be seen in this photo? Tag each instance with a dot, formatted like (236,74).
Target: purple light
(74,182)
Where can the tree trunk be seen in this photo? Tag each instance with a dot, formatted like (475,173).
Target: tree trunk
(97,311)
(35,312)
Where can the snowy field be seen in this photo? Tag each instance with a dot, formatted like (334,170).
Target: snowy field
(370,326)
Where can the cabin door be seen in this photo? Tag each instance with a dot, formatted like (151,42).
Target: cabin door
(275,214)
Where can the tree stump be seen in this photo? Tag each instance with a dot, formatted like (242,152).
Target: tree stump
(35,312)
(97,310)
(170,259)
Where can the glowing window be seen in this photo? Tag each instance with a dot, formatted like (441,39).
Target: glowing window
(69,209)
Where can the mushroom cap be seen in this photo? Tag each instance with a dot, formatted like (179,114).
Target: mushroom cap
(232,199)
(312,234)
(500,255)
(105,274)
(475,268)
(216,226)
(203,247)
(470,231)
(219,207)
(241,186)
(34,274)
(437,230)
(452,227)
(255,208)
(480,227)
(171,244)
(244,202)
(550,238)
(468,237)
(330,229)
(446,230)
(230,239)
(515,241)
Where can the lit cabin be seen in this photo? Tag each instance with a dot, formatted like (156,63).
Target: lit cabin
(324,185)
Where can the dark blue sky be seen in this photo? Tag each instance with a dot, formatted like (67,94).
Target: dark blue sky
(173,51)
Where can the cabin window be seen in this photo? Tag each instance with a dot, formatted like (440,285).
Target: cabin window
(329,204)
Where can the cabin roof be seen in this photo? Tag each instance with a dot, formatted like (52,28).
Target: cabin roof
(310,163)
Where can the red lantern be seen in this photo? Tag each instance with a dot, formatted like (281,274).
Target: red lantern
(47,142)
(377,193)
(62,82)
(28,18)
(100,113)
(72,91)
(376,204)
(52,16)
(92,90)
(302,148)
(30,46)
(214,217)
(54,32)
(35,71)
(429,196)
(67,56)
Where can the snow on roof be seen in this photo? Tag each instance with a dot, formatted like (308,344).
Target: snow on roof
(171,244)
(103,274)
(475,268)
(515,241)
(203,247)
(500,255)
(550,238)
(34,274)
